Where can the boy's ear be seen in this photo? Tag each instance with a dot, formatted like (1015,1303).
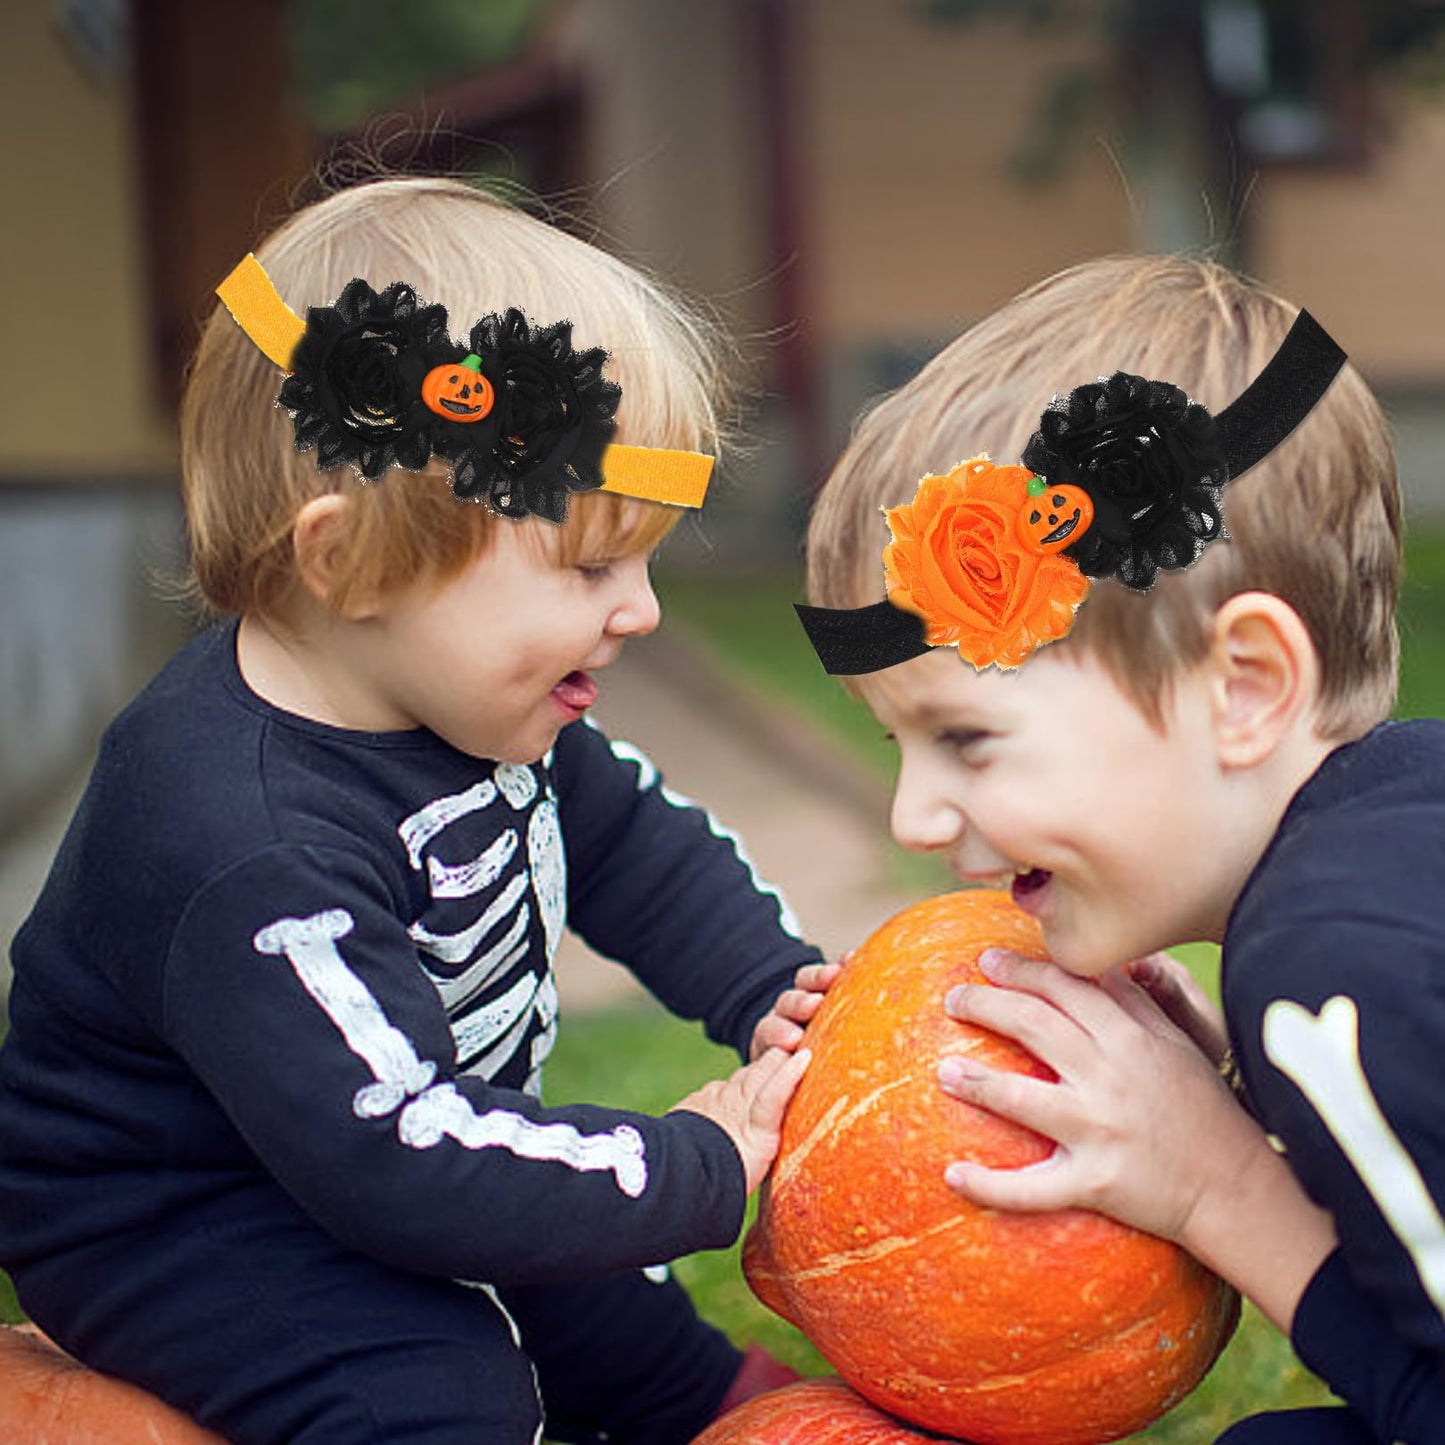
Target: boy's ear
(1264,676)
(319,540)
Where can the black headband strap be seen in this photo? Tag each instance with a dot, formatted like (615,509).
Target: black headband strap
(1281,396)
(850,640)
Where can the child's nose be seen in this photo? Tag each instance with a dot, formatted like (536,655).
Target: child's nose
(640,611)
(923,818)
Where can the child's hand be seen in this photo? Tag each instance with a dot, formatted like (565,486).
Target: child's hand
(1144,1125)
(750,1106)
(1183,1002)
(782,1026)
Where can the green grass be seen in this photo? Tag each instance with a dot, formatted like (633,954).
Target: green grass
(10,1311)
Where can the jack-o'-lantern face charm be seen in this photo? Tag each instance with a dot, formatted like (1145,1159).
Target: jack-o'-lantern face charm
(458,391)
(1053,517)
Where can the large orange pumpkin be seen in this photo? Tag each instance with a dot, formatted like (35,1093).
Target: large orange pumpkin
(816,1412)
(46,1398)
(1000,1328)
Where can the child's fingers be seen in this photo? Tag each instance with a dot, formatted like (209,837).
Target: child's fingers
(798,1005)
(1079,999)
(775,1077)
(1176,994)
(775,1032)
(1044,1107)
(1047,1032)
(1042,1186)
(815,978)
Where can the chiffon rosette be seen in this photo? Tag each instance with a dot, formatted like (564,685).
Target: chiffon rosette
(956,560)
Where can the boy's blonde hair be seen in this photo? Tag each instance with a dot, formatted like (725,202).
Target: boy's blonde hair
(1316,523)
(245,482)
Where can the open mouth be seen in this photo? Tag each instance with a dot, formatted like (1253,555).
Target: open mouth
(462,409)
(1028,885)
(576,692)
(1063,530)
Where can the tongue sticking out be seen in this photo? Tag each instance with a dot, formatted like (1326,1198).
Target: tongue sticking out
(576,690)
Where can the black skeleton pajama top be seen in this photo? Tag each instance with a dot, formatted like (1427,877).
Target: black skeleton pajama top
(275,950)
(1334,990)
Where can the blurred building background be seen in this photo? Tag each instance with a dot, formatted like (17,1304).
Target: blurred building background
(848,182)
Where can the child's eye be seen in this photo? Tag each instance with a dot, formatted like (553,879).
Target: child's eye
(595,571)
(963,740)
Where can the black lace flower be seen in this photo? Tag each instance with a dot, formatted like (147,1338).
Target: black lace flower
(356,395)
(553,418)
(1151,461)
(354,391)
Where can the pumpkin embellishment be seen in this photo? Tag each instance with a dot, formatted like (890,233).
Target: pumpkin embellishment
(459,393)
(1054,517)
(959,561)
(996,1327)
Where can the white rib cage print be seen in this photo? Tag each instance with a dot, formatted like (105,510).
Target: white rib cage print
(522,870)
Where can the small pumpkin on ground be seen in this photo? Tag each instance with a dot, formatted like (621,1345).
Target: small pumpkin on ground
(47,1398)
(816,1412)
(998,1328)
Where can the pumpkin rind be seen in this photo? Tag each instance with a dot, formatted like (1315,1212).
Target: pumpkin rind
(815,1412)
(45,1396)
(1003,1329)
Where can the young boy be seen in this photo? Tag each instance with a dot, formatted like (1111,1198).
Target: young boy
(1206,758)
(271,1140)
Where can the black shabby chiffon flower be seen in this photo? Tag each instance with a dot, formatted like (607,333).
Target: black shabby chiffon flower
(354,392)
(553,417)
(356,395)
(1151,461)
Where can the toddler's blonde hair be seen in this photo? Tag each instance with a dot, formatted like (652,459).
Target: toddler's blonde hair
(1316,523)
(244,481)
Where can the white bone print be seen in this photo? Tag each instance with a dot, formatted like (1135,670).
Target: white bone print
(516,782)
(441,1112)
(486,967)
(310,944)
(548,863)
(458,947)
(423,825)
(461,880)
(434,1110)
(484,1024)
(1322,1055)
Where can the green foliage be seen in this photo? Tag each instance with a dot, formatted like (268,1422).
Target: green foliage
(1422,628)
(354,57)
(10,1311)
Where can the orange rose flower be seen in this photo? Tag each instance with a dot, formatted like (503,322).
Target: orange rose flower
(957,561)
